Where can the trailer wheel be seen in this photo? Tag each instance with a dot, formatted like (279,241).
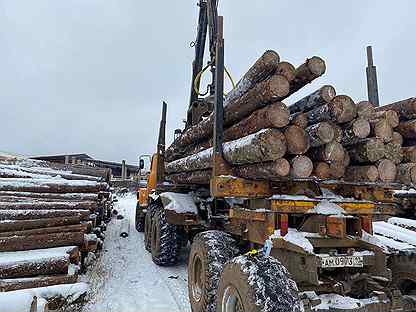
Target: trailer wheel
(153,206)
(256,284)
(209,252)
(140,216)
(164,240)
(403,269)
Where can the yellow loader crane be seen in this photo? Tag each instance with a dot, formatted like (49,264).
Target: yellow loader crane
(262,245)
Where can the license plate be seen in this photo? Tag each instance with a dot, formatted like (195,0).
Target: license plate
(342,262)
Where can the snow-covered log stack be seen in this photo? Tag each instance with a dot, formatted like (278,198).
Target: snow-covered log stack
(50,220)
(323,135)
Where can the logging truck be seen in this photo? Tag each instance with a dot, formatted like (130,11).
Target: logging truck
(260,242)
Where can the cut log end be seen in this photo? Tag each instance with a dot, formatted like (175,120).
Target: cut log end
(344,108)
(301,167)
(287,70)
(387,170)
(361,173)
(297,140)
(322,170)
(316,65)
(328,93)
(365,109)
(361,128)
(278,87)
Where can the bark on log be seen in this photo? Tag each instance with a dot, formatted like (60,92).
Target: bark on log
(387,170)
(200,177)
(51,186)
(35,282)
(409,154)
(40,214)
(297,140)
(271,90)
(318,98)
(277,169)
(330,152)
(322,170)
(342,109)
(368,151)
(407,129)
(286,70)
(307,72)
(17,243)
(91,206)
(263,68)
(299,119)
(361,174)
(265,145)
(393,152)
(397,138)
(319,134)
(22,225)
(365,110)
(354,131)
(81,228)
(382,129)
(406,108)
(406,173)
(301,167)
(66,196)
(55,265)
(391,116)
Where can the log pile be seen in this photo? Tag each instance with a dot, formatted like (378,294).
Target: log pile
(50,220)
(321,136)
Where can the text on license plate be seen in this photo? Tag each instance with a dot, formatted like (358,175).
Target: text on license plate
(342,261)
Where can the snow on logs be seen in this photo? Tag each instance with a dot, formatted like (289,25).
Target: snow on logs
(323,135)
(47,217)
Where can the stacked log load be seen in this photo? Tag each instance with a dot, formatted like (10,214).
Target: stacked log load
(322,136)
(50,223)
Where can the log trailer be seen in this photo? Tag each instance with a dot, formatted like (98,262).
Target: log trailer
(265,245)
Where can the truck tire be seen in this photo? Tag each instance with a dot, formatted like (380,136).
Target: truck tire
(403,269)
(140,216)
(153,206)
(209,252)
(164,240)
(257,284)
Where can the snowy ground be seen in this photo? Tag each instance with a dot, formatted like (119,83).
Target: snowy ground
(125,278)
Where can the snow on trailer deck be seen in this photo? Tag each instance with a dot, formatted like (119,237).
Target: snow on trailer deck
(125,278)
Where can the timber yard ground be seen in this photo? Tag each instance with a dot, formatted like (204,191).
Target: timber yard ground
(125,278)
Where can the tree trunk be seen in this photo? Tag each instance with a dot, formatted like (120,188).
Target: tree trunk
(91,206)
(36,282)
(51,196)
(393,152)
(406,108)
(299,119)
(265,145)
(361,174)
(365,110)
(409,154)
(322,170)
(342,109)
(84,228)
(387,170)
(307,72)
(17,243)
(269,170)
(263,68)
(297,140)
(40,214)
(22,225)
(406,173)
(318,98)
(271,90)
(51,186)
(319,134)
(407,129)
(286,70)
(328,153)
(354,131)
(301,167)
(201,177)
(367,151)
(46,266)
(397,138)
(382,129)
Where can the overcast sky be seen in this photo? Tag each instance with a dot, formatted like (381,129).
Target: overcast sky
(88,76)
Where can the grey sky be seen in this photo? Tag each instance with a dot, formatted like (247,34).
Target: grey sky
(89,76)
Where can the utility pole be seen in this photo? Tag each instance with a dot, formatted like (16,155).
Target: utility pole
(372,85)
